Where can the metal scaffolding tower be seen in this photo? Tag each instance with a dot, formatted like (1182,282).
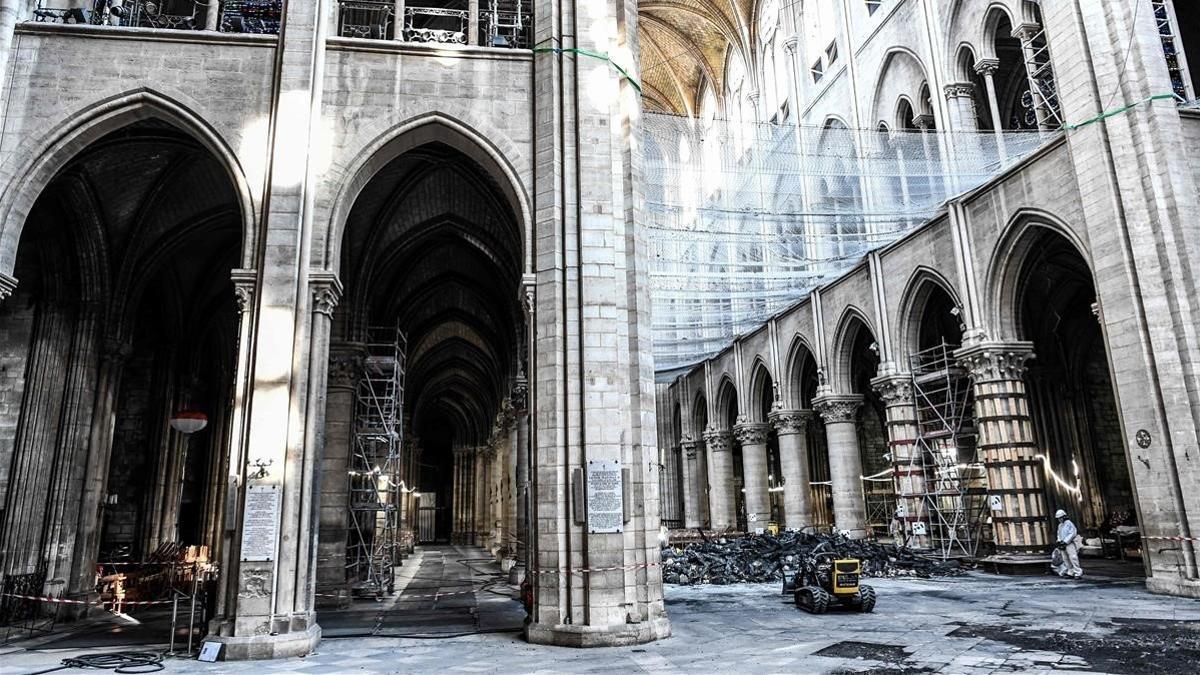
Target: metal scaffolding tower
(955,489)
(376,489)
(508,23)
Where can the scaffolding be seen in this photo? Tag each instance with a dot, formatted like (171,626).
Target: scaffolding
(376,489)
(743,219)
(955,483)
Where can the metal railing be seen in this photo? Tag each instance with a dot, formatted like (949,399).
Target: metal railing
(233,16)
(500,23)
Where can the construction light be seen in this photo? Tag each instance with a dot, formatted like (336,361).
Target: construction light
(189,421)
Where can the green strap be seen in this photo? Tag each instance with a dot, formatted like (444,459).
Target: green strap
(1117,111)
(594,55)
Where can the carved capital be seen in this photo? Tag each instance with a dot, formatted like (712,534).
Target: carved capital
(718,440)
(835,408)
(894,389)
(243,288)
(960,90)
(520,394)
(992,361)
(326,292)
(752,433)
(8,284)
(1025,32)
(987,67)
(689,446)
(345,366)
(923,122)
(791,421)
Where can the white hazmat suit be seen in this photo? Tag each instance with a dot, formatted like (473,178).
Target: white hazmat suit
(1069,537)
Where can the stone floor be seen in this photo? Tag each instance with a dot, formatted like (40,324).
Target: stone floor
(976,623)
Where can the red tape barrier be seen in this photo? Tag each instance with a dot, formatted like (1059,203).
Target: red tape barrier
(1172,538)
(67,601)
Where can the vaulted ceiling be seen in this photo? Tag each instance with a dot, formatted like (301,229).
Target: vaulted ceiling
(685,43)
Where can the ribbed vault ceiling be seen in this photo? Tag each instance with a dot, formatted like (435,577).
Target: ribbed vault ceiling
(685,43)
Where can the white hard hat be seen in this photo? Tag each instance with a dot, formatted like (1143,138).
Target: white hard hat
(1060,514)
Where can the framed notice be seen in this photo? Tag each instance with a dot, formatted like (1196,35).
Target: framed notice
(605,503)
(260,523)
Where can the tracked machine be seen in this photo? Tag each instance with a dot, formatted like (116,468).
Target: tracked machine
(823,581)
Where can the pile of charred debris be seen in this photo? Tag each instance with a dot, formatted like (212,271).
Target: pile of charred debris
(763,557)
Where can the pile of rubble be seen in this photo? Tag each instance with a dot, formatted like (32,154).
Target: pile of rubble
(762,558)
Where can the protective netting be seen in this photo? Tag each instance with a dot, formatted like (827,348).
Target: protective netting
(744,219)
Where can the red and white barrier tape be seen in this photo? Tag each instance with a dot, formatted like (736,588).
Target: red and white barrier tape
(589,570)
(1171,538)
(68,601)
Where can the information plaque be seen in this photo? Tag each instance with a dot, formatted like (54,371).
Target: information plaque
(605,503)
(261,523)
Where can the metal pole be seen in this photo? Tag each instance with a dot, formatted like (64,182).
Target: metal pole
(192,612)
(174,617)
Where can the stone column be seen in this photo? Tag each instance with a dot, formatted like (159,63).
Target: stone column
(987,69)
(755,472)
(792,428)
(693,482)
(960,102)
(840,413)
(908,469)
(456,497)
(720,478)
(95,474)
(521,493)
(592,370)
(345,369)
(269,611)
(479,483)
(473,22)
(1007,445)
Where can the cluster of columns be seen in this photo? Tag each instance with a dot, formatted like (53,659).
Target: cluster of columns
(1005,443)
(490,488)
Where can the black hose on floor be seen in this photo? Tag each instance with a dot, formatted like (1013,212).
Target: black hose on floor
(126,663)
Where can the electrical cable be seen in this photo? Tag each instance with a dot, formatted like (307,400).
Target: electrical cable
(124,662)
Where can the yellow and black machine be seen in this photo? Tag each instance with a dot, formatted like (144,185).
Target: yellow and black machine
(824,581)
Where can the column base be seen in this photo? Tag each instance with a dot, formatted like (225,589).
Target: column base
(516,573)
(260,647)
(1172,585)
(575,635)
(328,597)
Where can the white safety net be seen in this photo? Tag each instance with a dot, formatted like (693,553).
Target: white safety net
(744,219)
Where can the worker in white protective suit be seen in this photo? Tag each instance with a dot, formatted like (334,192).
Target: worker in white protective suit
(1069,543)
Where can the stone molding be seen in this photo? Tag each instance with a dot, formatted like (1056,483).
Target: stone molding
(894,390)
(718,440)
(8,284)
(791,421)
(835,408)
(996,361)
(752,433)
